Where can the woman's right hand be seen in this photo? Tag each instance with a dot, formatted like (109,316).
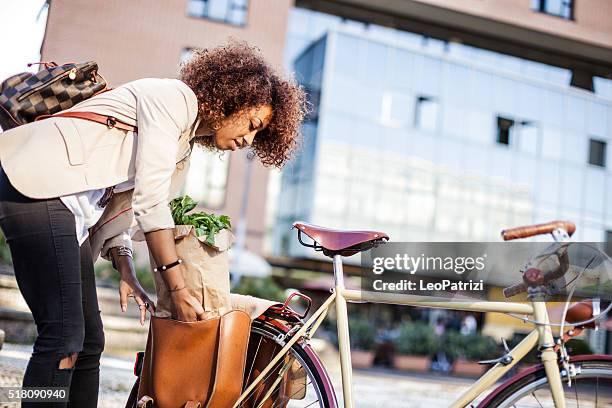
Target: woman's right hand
(188,308)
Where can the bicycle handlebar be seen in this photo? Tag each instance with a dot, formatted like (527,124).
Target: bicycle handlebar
(538,229)
(532,277)
(515,290)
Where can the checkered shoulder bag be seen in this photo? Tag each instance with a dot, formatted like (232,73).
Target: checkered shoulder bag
(27,97)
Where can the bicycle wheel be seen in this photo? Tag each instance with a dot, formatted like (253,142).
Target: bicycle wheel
(298,380)
(592,387)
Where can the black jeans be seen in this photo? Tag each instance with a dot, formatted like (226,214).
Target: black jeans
(56,278)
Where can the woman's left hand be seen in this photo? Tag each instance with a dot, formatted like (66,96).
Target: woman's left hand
(129,286)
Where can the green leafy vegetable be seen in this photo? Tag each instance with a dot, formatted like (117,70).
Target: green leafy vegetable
(205,224)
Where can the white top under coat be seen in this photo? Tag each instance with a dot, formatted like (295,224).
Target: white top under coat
(86,210)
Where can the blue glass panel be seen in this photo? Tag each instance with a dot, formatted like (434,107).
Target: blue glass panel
(337,127)
(594,185)
(376,61)
(396,141)
(427,74)
(367,102)
(608,191)
(480,91)
(500,163)
(402,68)
(597,123)
(456,78)
(453,120)
(365,134)
(341,95)
(544,213)
(451,154)
(571,187)
(529,100)
(480,126)
(347,57)
(525,171)
(552,108)
(575,112)
(422,146)
(505,94)
(548,182)
(552,143)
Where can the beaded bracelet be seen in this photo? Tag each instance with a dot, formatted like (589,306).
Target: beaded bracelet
(122,251)
(168,266)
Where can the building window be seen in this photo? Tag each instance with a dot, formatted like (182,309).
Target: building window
(559,8)
(597,153)
(504,130)
(227,11)
(207,178)
(426,113)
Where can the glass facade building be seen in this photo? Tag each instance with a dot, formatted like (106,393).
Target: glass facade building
(432,141)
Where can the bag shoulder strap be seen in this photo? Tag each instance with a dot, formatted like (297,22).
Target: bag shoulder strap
(109,121)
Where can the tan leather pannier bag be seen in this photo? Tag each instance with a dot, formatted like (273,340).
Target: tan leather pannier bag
(194,364)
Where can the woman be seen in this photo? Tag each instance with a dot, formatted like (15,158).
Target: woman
(64,181)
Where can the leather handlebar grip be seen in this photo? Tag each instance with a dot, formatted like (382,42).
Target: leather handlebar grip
(514,290)
(538,229)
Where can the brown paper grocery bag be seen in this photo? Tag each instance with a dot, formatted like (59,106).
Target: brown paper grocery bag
(205,271)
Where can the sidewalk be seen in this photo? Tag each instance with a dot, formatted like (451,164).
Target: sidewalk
(116,375)
(373,388)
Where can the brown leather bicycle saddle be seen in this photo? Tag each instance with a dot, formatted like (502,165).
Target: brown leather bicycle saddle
(342,242)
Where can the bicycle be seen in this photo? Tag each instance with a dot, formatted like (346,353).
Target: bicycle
(281,337)
(558,376)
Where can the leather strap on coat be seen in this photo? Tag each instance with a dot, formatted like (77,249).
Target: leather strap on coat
(109,121)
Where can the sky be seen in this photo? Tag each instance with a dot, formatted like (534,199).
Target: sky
(23,32)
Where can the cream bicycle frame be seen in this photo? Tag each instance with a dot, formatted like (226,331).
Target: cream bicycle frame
(541,336)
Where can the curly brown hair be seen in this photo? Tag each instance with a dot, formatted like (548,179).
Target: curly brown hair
(235,77)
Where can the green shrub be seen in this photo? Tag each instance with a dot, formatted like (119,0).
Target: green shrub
(146,279)
(472,347)
(416,339)
(107,275)
(264,288)
(362,334)
(578,347)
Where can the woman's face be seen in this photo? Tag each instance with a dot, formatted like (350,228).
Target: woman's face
(238,130)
